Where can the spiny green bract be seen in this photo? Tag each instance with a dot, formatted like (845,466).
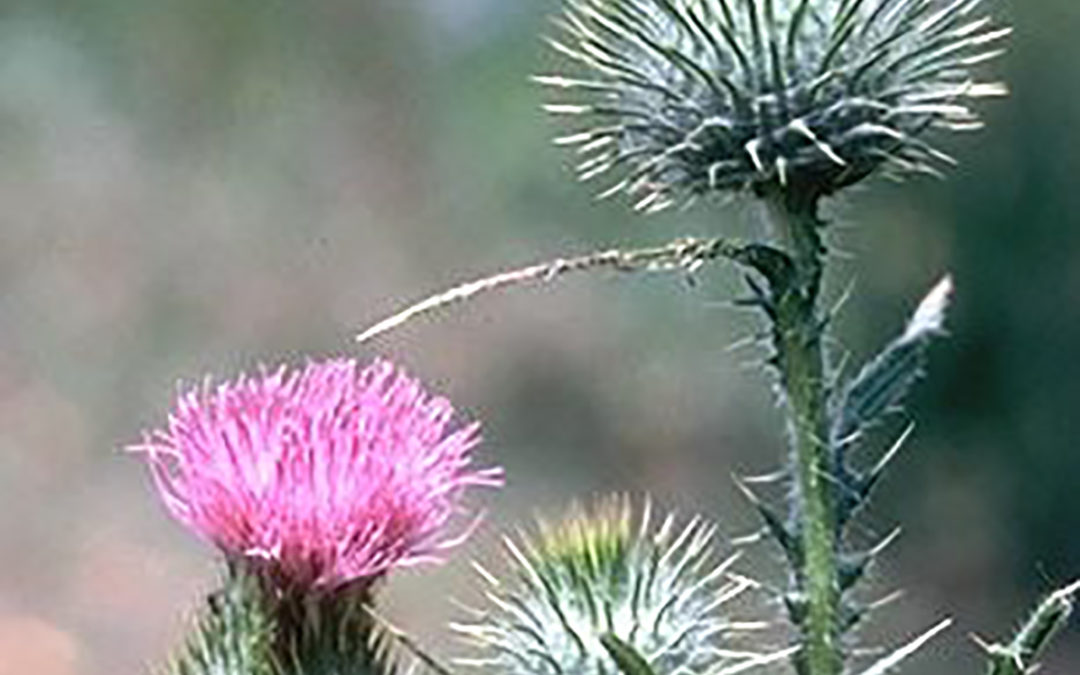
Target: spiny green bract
(690,97)
(234,636)
(659,589)
(250,627)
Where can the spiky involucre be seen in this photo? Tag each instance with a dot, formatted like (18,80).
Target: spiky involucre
(690,97)
(659,589)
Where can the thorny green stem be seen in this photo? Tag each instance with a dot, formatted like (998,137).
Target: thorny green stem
(797,337)
(1019,655)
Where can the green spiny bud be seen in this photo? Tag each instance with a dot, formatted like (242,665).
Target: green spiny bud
(658,590)
(692,97)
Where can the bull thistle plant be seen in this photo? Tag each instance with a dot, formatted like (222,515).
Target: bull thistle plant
(316,484)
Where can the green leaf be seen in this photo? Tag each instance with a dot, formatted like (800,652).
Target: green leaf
(629,661)
(882,384)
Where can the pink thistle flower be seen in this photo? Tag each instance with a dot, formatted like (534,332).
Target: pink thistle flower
(322,475)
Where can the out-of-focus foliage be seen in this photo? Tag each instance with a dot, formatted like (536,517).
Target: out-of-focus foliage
(192,186)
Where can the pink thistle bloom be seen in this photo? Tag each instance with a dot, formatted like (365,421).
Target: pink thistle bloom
(322,475)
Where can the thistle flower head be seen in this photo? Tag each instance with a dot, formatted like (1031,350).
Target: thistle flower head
(689,97)
(320,475)
(659,589)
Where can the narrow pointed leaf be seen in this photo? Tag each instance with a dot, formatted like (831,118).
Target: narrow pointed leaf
(882,384)
(775,526)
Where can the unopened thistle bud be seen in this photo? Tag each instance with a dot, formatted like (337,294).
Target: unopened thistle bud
(658,590)
(690,97)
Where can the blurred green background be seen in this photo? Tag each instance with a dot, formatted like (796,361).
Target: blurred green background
(193,187)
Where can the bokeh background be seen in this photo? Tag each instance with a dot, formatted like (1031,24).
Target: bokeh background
(193,186)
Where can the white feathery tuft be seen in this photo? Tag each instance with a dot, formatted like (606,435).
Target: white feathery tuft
(929,318)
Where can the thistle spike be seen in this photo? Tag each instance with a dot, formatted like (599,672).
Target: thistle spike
(888,663)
